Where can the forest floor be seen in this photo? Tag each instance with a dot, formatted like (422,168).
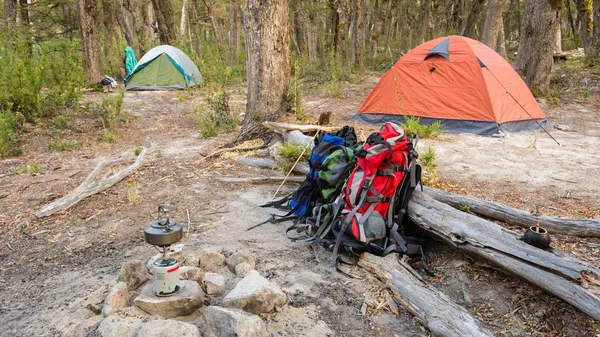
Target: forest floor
(51,269)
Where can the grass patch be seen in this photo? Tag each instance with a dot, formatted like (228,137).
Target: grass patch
(287,154)
(112,114)
(216,117)
(412,126)
(132,192)
(67,145)
(33,169)
(430,176)
(10,141)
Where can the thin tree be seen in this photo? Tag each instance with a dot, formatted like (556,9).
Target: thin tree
(87,16)
(537,42)
(268,64)
(164,17)
(584,17)
(469,28)
(10,13)
(596,33)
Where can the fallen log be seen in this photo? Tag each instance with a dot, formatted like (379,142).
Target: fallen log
(261,180)
(300,127)
(552,271)
(517,217)
(434,309)
(92,185)
(269,163)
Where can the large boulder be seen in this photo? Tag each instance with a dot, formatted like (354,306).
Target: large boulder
(134,273)
(167,328)
(255,294)
(117,298)
(242,269)
(211,260)
(116,326)
(214,284)
(236,258)
(226,322)
(187,300)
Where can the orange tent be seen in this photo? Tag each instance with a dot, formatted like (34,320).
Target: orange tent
(458,81)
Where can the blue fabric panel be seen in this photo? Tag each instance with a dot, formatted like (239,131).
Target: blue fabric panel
(440,49)
(301,210)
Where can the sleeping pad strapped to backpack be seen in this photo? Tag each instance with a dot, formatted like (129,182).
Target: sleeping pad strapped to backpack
(331,160)
(376,196)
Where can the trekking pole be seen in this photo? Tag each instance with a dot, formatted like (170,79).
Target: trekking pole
(296,163)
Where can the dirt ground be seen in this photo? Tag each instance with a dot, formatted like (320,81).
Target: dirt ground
(52,269)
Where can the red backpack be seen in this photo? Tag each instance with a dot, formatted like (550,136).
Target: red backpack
(376,195)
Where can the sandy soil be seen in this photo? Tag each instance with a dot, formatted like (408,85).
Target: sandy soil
(51,269)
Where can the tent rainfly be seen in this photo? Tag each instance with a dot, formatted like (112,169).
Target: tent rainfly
(163,68)
(458,81)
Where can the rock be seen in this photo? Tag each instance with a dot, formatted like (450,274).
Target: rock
(255,294)
(116,326)
(224,322)
(191,273)
(242,269)
(167,328)
(186,301)
(175,252)
(134,273)
(214,283)
(237,258)
(211,260)
(117,298)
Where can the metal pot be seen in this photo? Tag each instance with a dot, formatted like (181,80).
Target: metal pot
(537,237)
(163,232)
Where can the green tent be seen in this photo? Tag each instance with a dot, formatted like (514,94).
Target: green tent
(163,68)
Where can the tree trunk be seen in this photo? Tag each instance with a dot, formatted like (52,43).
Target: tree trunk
(87,14)
(493,23)
(147,29)
(268,64)
(584,16)
(112,35)
(356,18)
(24,13)
(424,21)
(596,32)
(215,25)
(126,22)
(342,30)
(558,40)
(469,28)
(501,43)
(68,20)
(183,23)
(10,13)
(163,9)
(536,44)
(232,34)
(196,29)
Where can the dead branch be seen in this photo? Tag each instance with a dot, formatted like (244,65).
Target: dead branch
(260,180)
(93,185)
(242,149)
(553,271)
(304,128)
(268,163)
(434,309)
(517,217)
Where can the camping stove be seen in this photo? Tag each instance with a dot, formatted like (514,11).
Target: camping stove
(165,271)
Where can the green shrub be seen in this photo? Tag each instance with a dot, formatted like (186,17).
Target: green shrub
(412,126)
(430,176)
(287,154)
(217,117)
(112,114)
(67,145)
(10,142)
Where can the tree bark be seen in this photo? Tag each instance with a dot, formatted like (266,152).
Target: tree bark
(232,32)
(147,27)
(424,21)
(584,17)
(378,24)
(10,13)
(558,40)
(125,18)
(24,12)
(469,28)
(268,64)
(434,309)
(501,43)
(596,32)
(536,44)
(163,9)
(112,35)
(183,23)
(213,22)
(552,271)
(87,14)
(493,23)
